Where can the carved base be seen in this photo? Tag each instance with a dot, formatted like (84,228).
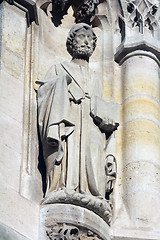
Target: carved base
(69,222)
(96,204)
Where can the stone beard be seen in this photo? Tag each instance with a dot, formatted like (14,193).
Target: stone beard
(81,42)
(73,121)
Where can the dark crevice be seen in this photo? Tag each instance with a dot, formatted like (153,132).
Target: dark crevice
(41,165)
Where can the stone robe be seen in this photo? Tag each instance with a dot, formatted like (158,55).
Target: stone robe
(73,145)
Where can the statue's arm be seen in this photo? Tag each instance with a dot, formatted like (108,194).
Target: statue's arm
(105,115)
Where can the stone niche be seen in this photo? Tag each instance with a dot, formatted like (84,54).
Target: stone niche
(71,214)
(33,37)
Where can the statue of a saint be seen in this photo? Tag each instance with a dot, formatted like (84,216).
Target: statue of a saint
(74,120)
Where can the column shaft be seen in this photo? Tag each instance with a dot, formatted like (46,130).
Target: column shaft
(141,145)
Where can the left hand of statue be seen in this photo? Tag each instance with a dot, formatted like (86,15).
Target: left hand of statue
(108,126)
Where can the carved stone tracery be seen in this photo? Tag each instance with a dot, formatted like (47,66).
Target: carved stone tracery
(142,14)
(70,232)
(139,25)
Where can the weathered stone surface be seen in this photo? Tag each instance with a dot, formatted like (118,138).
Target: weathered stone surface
(13,41)
(11,103)
(11,129)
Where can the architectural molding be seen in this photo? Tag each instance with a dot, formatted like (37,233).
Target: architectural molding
(140,53)
(131,45)
(139,27)
(141,15)
(27,6)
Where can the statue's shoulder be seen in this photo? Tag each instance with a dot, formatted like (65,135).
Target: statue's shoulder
(54,71)
(63,68)
(50,74)
(60,69)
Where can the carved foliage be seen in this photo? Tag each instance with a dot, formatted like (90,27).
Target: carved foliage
(70,232)
(97,204)
(142,14)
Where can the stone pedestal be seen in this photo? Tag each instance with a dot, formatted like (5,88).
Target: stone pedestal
(66,221)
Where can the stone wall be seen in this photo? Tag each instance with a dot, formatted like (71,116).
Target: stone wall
(18,212)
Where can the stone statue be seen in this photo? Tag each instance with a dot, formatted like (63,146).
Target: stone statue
(74,120)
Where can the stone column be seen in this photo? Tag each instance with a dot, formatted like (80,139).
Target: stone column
(138,56)
(141,147)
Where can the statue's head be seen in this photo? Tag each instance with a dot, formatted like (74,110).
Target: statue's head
(81,41)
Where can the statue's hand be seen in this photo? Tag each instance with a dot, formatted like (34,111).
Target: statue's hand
(108,126)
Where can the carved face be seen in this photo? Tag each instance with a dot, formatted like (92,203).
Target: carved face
(83,44)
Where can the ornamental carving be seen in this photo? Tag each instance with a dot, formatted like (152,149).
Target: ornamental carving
(70,232)
(84,11)
(96,204)
(140,15)
(139,24)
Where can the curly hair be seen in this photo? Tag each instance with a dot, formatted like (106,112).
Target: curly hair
(72,34)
